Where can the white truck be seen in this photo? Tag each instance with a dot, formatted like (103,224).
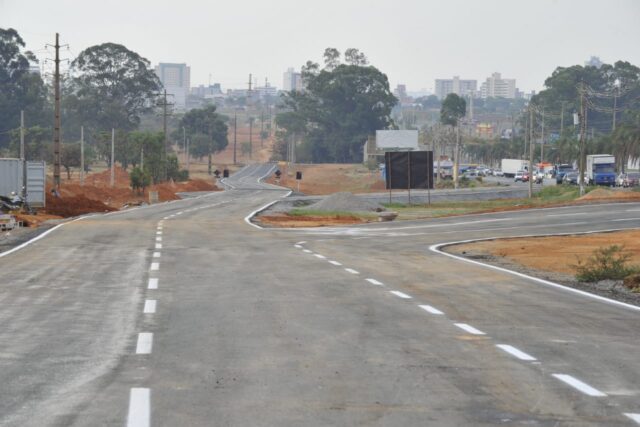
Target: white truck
(601,170)
(511,166)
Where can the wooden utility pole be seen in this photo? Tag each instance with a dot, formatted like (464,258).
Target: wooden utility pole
(81,155)
(113,157)
(583,123)
(23,157)
(530,151)
(56,124)
(456,160)
(542,139)
(262,129)
(250,137)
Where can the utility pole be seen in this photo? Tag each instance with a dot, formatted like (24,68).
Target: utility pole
(250,135)
(184,142)
(615,102)
(235,134)
(262,129)
(583,123)
(113,157)
(456,160)
(23,157)
(249,93)
(542,139)
(188,155)
(56,124)
(561,118)
(164,104)
(142,158)
(530,151)
(81,155)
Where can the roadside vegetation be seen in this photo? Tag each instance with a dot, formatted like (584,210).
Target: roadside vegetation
(609,263)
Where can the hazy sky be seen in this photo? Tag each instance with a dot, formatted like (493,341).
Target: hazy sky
(412,41)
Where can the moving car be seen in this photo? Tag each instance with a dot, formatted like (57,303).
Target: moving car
(522,176)
(630,179)
(498,172)
(571,178)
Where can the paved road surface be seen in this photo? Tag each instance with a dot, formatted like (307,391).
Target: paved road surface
(182,314)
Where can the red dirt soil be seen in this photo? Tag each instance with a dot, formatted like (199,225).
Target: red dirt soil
(291,221)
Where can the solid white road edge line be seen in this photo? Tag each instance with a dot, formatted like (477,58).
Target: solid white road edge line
(430,309)
(401,294)
(436,248)
(579,385)
(374,282)
(470,329)
(145,343)
(153,283)
(149,306)
(351,270)
(139,413)
(516,353)
(634,417)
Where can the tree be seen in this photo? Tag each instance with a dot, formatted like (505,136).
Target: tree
(331,58)
(355,57)
(19,88)
(140,179)
(111,87)
(206,121)
(338,110)
(70,157)
(452,110)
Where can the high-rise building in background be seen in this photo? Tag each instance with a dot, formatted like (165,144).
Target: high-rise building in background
(455,85)
(176,79)
(497,87)
(292,80)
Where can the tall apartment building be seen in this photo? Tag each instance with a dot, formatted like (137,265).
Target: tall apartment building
(176,79)
(292,80)
(455,85)
(497,87)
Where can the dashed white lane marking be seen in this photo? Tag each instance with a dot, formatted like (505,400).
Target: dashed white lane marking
(158,245)
(153,283)
(297,246)
(634,417)
(149,306)
(375,282)
(156,254)
(320,256)
(139,413)
(470,329)
(145,343)
(335,263)
(301,243)
(351,270)
(307,251)
(159,233)
(158,239)
(430,309)
(516,353)
(579,385)
(180,213)
(155,266)
(401,294)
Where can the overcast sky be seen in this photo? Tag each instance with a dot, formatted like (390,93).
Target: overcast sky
(412,41)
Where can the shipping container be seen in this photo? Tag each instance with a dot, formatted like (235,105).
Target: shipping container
(11,180)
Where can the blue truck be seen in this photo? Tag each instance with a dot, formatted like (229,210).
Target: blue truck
(601,170)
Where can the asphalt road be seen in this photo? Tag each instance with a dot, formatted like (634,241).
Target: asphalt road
(182,314)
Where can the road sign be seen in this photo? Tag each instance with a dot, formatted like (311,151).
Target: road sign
(225,173)
(298,175)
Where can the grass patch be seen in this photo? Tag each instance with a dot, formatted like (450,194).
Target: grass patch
(334,214)
(609,263)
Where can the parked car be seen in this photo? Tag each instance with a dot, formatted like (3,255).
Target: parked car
(522,176)
(571,178)
(498,172)
(630,179)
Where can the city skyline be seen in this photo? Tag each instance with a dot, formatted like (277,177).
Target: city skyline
(523,40)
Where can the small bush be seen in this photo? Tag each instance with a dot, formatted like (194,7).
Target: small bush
(605,263)
(632,282)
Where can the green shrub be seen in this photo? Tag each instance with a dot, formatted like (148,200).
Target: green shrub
(605,263)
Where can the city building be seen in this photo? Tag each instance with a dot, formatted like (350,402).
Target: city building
(497,87)
(400,92)
(292,80)
(267,92)
(176,79)
(455,85)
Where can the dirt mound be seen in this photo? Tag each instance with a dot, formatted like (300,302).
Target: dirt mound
(74,206)
(308,221)
(608,194)
(345,202)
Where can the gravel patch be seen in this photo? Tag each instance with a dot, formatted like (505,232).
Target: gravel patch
(345,202)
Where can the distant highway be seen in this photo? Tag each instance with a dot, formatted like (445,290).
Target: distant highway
(182,314)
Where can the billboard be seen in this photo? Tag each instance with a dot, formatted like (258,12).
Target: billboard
(409,170)
(397,140)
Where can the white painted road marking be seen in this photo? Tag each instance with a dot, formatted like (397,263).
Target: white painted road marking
(155,266)
(297,246)
(159,233)
(301,243)
(139,413)
(570,214)
(158,239)
(153,284)
(469,328)
(579,385)
(158,245)
(156,254)
(401,294)
(149,306)
(516,353)
(430,309)
(351,270)
(145,343)
(335,263)
(634,417)
(375,282)
(625,219)
(307,251)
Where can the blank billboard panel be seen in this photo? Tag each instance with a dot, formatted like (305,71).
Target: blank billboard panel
(399,140)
